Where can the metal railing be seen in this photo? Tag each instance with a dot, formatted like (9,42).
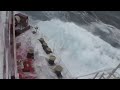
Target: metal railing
(10,66)
(5,62)
(108,73)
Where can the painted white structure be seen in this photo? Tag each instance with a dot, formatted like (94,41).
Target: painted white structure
(2,28)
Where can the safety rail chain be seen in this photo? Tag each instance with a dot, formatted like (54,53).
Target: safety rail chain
(10,66)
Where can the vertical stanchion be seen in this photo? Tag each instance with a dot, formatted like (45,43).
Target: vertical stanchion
(95,75)
(101,75)
(14,44)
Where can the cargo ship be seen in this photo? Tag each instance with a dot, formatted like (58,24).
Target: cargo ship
(22,60)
